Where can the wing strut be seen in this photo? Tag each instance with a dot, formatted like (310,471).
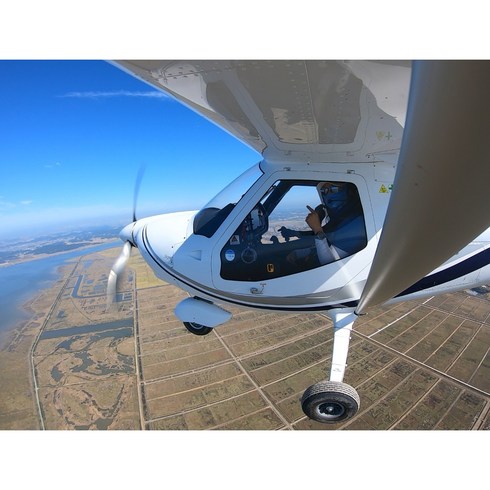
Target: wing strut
(441,194)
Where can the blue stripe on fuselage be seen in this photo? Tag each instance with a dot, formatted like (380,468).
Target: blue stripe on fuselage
(467,266)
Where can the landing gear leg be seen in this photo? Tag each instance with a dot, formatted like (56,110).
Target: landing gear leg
(334,401)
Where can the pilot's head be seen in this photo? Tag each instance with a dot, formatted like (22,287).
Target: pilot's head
(334,195)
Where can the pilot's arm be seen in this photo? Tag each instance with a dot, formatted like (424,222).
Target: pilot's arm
(326,254)
(287,233)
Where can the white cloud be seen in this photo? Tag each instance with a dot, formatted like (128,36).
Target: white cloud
(25,203)
(52,165)
(117,93)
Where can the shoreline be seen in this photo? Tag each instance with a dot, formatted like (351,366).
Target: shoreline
(32,258)
(27,308)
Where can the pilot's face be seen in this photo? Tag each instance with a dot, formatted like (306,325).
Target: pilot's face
(334,196)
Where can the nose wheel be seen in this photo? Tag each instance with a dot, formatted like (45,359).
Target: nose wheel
(330,402)
(197,328)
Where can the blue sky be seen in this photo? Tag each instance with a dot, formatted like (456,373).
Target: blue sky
(73,135)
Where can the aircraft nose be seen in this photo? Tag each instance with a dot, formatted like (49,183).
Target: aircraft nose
(164,234)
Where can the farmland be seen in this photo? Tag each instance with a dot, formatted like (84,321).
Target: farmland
(417,365)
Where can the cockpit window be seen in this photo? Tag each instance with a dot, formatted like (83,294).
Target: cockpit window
(277,237)
(209,218)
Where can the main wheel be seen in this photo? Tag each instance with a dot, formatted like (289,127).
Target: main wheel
(330,402)
(197,328)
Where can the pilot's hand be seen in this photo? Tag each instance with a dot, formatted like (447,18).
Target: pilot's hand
(313,220)
(287,233)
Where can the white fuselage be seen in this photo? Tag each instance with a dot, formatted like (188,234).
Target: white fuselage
(192,261)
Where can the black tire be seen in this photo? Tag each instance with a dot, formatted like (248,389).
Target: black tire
(197,328)
(330,402)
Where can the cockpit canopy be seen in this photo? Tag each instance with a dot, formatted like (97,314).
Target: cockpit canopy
(274,240)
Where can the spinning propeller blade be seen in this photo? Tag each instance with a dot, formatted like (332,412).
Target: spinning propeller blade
(440,196)
(116,272)
(137,185)
(122,260)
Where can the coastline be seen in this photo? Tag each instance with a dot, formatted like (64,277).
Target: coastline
(17,409)
(26,308)
(11,333)
(44,281)
(31,258)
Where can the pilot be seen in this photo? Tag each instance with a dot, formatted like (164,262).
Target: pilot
(341,205)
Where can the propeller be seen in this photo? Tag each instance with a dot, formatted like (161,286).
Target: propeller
(137,185)
(122,260)
(440,194)
(116,272)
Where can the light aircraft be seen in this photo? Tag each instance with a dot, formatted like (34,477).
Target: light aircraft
(389,163)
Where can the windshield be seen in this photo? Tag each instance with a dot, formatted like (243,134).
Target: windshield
(210,217)
(233,192)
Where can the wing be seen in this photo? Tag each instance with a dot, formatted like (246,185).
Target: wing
(328,111)
(440,199)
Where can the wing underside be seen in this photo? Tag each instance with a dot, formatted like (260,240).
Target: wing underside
(314,111)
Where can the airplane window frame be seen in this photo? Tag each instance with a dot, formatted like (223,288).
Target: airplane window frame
(245,258)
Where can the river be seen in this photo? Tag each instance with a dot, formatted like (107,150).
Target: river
(21,282)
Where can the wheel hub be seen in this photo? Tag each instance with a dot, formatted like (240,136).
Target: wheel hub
(330,410)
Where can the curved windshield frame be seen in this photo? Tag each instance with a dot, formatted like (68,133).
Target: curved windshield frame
(234,191)
(210,217)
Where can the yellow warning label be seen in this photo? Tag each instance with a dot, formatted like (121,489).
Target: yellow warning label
(383,189)
(270,267)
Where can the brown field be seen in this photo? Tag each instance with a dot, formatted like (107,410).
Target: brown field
(416,365)
(84,356)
